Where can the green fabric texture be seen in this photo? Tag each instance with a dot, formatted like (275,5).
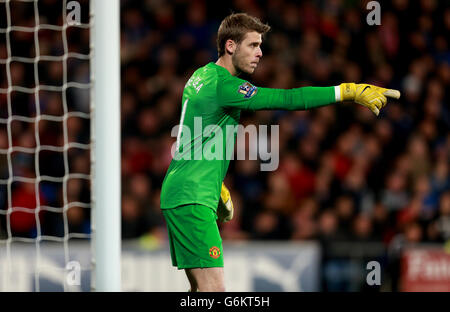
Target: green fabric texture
(194,237)
(215,97)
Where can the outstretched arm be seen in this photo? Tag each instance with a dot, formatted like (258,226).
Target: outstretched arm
(235,92)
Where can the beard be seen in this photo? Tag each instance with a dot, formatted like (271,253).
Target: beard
(238,62)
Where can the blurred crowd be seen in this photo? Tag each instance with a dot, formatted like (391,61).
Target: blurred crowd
(344,174)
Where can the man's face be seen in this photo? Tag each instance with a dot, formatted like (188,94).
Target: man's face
(248,53)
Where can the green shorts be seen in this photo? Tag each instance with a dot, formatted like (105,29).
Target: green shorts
(194,237)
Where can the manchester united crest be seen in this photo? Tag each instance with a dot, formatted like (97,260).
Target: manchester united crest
(214,252)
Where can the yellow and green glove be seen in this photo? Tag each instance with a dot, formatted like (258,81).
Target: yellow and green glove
(370,96)
(225,210)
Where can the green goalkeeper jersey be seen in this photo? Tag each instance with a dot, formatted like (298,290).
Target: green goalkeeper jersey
(211,106)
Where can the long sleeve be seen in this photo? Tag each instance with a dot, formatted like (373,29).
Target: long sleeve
(238,93)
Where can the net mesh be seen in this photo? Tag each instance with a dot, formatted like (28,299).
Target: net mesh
(45,147)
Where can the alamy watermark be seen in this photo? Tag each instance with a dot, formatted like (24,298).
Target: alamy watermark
(374,17)
(73,13)
(73,273)
(211,143)
(374,276)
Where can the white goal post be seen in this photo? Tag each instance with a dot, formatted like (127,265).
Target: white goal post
(106,141)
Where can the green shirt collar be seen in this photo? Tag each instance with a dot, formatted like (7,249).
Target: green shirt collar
(223,69)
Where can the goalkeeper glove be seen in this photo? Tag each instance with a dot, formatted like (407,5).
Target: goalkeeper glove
(225,209)
(367,95)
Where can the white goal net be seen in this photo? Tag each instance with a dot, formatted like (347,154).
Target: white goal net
(45,143)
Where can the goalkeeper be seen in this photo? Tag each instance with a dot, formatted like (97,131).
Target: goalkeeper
(193,195)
